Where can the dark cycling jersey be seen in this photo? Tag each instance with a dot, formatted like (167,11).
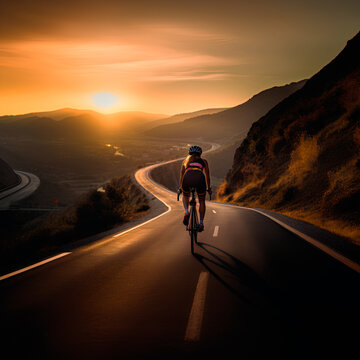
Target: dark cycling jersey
(194,176)
(194,163)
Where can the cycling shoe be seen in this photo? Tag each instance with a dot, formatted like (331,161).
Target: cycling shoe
(186,219)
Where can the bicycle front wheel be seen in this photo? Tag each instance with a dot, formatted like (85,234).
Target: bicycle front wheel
(192,230)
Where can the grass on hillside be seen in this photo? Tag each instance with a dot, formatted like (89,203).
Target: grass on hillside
(331,205)
(305,162)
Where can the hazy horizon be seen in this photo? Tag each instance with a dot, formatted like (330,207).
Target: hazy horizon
(162,57)
(112,113)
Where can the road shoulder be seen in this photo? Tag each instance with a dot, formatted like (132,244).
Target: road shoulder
(334,245)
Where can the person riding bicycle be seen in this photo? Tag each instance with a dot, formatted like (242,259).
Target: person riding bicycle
(192,176)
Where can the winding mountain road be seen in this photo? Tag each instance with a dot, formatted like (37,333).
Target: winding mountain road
(254,289)
(27,185)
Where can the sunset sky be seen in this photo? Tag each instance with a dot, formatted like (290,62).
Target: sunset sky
(162,56)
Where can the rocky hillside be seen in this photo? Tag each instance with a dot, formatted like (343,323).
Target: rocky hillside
(7,176)
(231,123)
(303,157)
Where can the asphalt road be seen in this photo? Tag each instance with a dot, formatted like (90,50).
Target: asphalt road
(253,290)
(29,183)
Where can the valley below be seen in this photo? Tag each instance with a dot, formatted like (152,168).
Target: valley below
(69,169)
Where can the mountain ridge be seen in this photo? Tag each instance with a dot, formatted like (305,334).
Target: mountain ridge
(301,158)
(58,123)
(69,123)
(235,121)
(61,113)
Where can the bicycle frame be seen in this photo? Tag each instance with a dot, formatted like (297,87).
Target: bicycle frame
(193,224)
(193,221)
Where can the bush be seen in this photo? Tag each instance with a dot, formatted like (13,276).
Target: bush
(97,211)
(100,210)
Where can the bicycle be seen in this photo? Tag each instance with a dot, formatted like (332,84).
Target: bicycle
(193,224)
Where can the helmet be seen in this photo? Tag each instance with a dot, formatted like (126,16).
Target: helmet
(195,149)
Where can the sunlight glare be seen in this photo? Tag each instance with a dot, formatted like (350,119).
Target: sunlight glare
(104,100)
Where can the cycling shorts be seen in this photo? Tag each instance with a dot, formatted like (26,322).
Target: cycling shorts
(195,179)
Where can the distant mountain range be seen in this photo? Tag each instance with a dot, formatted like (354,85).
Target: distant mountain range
(302,157)
(74,124)
(230,123)
(64,113)
(87,125)
(184,116)
(80,125)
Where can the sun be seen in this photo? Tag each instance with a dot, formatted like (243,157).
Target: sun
(104,100)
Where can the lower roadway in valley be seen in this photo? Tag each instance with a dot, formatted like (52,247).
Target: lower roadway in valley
(27,185)
(254,289)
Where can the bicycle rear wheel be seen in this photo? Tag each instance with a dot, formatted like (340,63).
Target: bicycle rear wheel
(192,230)
(195,225)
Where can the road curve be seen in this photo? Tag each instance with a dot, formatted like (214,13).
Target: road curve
(28,184)
(254,289)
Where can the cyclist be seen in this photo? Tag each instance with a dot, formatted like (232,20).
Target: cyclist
(192,175)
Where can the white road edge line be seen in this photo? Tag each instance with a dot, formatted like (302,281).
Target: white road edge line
(349,263)
(34,265)
(151,167)
(343,259)
(146,222)
(119,234)
(194,324)
(216,231)
(67,253)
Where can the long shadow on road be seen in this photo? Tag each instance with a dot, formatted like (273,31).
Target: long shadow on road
(235,275)
(315,317)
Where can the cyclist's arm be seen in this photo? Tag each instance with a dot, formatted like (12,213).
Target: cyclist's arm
(207,174)
(182,172)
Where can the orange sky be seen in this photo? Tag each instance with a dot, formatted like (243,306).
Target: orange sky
(162,57)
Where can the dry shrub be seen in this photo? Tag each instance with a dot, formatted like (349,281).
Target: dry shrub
(350,86)
(315,144)
(304,157)
(341,179)
(303,161)
(252,147)
(276,145)
(336,126)
(341,197)
(251,171)
(249,190)
(117,204)
(336,226)
(357,136)
(95,212)
(222,191)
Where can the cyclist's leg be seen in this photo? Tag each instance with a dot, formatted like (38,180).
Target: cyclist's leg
(186,201)
(202,208)
(201,190)
(185,186)
(186,198)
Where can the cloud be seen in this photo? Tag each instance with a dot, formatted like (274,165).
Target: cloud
(131,59)
(188,77)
